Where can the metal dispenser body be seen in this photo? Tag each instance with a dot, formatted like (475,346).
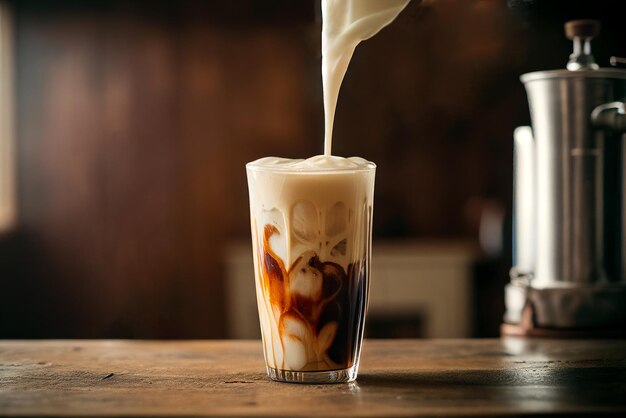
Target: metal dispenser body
(569,213)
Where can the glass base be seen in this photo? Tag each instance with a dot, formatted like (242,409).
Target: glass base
(330,376)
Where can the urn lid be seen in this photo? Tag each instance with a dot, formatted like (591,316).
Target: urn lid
(581,62)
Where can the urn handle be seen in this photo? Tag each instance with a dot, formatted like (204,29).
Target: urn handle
(610,116)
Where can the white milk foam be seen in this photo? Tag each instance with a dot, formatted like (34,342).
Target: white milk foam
(318,163)
(345,23)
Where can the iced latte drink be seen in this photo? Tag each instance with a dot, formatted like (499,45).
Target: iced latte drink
(311,232)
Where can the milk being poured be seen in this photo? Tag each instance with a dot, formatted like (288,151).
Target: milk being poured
(311,225)
(345,23)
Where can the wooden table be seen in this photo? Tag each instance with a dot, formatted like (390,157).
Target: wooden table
(227,378)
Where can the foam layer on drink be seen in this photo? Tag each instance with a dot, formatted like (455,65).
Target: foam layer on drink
(313,164)
(311,221)
(345,23)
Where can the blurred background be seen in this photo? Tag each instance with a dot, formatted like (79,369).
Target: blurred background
(125,127)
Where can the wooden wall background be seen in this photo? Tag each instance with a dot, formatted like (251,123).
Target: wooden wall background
(135,120)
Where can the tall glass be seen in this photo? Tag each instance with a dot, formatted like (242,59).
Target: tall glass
(311,238)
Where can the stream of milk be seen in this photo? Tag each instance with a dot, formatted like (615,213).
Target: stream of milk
(345,23)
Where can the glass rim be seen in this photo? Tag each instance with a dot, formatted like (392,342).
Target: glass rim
(287,170)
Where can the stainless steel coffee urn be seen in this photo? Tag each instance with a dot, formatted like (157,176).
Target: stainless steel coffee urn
(569,274)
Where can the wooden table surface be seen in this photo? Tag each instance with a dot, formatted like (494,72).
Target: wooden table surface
(506,376)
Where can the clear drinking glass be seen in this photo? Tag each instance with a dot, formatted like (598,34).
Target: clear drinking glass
(311,238)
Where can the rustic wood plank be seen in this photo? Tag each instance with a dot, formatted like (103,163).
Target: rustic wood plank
(509,376)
